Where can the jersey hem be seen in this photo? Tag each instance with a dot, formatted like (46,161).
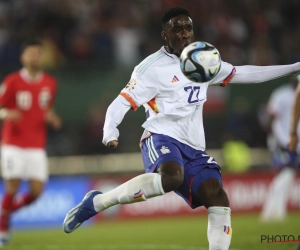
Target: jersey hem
(19,146)
(173,137)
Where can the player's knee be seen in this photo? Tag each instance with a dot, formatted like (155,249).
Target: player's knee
(35,193)
(222,198)
(12,186)
(211,193)
(170,183)
(12,191)
(36,188)
(172,175)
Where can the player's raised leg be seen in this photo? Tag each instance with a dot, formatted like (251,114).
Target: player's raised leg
(138,189)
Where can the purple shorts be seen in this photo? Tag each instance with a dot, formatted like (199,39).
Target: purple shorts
(198,166)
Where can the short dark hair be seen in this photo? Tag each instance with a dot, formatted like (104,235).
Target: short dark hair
(31,42)
(173,12)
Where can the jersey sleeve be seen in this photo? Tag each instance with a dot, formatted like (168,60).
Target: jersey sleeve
(6,91)
(257,74)
(141,88)
(114,116)
(226,73)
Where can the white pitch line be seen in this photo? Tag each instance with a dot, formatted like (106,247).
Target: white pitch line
(113,247)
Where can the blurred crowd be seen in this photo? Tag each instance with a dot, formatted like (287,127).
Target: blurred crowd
(123,32)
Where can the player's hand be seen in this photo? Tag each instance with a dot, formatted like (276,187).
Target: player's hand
(293,141)
(13,115)
(54,120)
(56,123)
(112,144)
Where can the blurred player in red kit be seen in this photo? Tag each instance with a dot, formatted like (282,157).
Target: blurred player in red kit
(26,102)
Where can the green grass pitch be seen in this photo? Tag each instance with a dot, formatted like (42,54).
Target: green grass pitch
(182,233)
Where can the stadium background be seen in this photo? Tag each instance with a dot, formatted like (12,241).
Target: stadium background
(92,46)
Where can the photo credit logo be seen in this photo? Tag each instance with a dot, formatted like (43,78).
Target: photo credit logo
(265,238)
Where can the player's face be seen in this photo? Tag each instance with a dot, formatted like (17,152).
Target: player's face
(31,57)
(178,34)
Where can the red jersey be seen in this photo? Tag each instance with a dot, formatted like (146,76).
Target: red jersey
(33,98)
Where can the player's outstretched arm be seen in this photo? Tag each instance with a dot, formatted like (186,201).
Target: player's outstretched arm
(258,74)
(114,116)
(293,140)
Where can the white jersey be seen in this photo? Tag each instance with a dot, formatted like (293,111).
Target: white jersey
(280,107)
(173,103)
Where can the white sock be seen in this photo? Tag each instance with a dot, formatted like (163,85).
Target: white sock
(275,206)
(219,229)
(137,189)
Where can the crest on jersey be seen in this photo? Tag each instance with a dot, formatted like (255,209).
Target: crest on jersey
(165,150)
(131,84)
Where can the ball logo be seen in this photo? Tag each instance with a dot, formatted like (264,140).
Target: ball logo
(201,56)
(213,62)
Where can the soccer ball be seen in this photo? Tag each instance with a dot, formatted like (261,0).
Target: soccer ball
(200,62)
